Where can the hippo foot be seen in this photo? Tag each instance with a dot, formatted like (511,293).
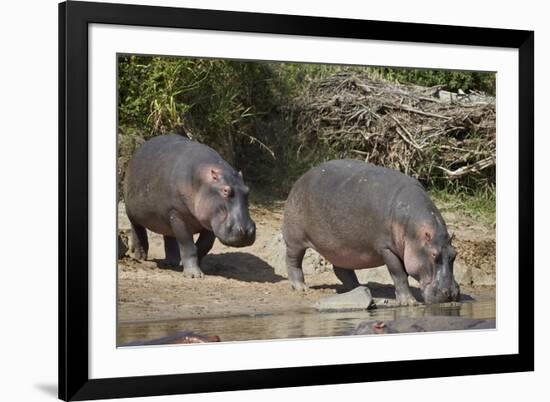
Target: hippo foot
(193,272)
(166,263)
(300,286)
(408,300)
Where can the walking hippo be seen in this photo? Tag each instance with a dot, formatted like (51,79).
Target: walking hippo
(358,215)
(178,187)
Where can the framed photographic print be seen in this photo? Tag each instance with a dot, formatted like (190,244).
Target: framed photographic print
(258,200)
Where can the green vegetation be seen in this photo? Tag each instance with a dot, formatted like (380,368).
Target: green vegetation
(248,112)
(448,80)
(480,205)
(212,101)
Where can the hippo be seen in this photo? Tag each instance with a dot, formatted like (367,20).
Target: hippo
(182,337)
(178,187)
(421,324)
(358,215)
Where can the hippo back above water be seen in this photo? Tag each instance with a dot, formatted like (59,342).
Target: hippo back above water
(358,215)
(178,187)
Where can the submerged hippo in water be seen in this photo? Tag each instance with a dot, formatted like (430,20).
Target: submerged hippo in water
(178,187)
(421,324)
(182,337)
(358,215)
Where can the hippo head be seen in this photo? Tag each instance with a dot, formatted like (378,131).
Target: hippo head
(222,206)
(429,258)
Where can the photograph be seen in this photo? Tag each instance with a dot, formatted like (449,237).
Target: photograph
(269,200)
(256,200)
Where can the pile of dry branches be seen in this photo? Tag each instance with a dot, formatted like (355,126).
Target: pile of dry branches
(428,133)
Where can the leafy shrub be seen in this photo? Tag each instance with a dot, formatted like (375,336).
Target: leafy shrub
(445,79)
(247,111)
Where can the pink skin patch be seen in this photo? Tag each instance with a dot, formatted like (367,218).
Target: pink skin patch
(203,211)
(415,266)
(398,232)
(417,257)
(425,233)
(210,174)
(224,216)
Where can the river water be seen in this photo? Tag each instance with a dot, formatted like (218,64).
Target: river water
(296,324)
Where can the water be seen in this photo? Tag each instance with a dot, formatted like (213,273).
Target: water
(297,324)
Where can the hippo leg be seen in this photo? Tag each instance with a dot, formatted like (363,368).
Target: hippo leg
(403,293)
(188,250)
(294,257)
(171,252)
(139,245)
(347,277)
(204,243)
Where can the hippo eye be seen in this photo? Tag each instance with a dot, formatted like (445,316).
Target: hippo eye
(226,192)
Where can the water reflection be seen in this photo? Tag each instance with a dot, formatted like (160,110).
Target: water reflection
(299,324)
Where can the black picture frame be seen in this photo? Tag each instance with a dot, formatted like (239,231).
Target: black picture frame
(74,381)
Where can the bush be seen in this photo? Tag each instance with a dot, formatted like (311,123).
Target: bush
(247,111)
(217,102)
(445,79)
(445,142)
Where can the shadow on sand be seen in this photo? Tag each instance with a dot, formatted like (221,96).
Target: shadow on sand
(240,266)
(385,291)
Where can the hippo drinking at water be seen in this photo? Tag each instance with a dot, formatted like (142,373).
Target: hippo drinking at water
(358,215)
(178,187)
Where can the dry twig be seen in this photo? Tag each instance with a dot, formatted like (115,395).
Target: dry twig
(406,127)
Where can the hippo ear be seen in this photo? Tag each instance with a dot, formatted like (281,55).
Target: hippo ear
(214,174)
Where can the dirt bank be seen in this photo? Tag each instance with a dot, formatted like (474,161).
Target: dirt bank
(249,280)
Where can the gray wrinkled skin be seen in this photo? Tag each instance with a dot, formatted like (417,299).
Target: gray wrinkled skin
(357,216)
(178,187)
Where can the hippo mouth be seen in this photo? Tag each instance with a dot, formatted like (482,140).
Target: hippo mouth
(434,294)
(238,238)
(241,241)
(238,242)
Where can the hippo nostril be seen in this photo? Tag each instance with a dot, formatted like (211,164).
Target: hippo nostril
(251,230)
(445,292)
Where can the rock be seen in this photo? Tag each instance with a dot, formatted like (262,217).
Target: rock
(475,262)
(463,274)
(359,298)
(421,324)
(472,275)
(379,275)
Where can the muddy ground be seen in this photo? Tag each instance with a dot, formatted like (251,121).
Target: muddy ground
(251,280)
